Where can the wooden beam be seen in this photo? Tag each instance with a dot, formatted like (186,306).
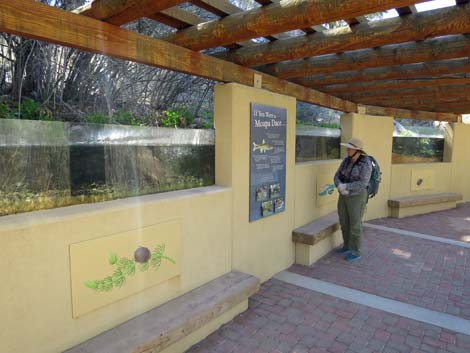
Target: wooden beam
(39,21)
(446,21)
(418,70)
(448,47)
(393,85)
(179,18)
(407,114)
(119,12)
(276,18)
(222,8)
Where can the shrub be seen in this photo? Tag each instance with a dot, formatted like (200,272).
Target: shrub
(97,118)
(125,118)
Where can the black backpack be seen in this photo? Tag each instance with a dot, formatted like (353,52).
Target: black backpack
(375,177)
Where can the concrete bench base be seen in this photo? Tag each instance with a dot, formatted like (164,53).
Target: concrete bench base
(415,205)
(177,325)
(316,239)
(309,254)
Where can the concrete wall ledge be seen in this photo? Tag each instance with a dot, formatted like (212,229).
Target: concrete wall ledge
(29,219)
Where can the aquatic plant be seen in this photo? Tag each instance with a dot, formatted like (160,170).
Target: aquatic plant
(125,267)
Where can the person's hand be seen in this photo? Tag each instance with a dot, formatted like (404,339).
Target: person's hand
(342,189)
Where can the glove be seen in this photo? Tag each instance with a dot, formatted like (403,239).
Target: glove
(342,189)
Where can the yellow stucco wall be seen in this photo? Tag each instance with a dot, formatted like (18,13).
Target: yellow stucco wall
(403,183)
(35,266)
(264,247)
(307,201)
(460,155)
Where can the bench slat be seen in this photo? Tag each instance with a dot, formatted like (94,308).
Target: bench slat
(159,328)
(421,200)
(317,230)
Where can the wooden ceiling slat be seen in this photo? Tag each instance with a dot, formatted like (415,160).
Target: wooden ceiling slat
(393,84)
(453,91)
(441,48)
(447,21)
(119,12)
(39,21)
(276,18)
(430,105)
(403,11)
(219,8)
(176,18)
(418,70)
(407,114)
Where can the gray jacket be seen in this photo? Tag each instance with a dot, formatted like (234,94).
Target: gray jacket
(355,176)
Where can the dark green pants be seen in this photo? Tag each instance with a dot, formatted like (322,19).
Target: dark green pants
(350,211)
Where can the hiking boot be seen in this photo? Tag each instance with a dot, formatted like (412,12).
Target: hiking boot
(353,258)
(343,251)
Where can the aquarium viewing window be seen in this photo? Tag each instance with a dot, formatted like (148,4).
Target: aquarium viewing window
(48,164)
(418,144)
(313,143)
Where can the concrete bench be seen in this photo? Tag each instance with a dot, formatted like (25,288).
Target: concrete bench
(413,205)
(316,239)
(178,324)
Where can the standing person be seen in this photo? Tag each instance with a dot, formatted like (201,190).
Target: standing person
(352,179)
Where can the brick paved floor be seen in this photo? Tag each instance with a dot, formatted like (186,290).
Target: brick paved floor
(287,319)
(453,224)
(283,318)
(415,271)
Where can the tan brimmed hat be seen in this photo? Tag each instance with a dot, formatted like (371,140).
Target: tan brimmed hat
(354,143)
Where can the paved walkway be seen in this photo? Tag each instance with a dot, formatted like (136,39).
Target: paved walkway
(365,308)
(453,224)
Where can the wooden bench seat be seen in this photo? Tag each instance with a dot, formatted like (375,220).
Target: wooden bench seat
(179,323)
(412,205)
(316,239)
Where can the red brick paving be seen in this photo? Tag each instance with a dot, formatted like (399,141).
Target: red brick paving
(453,224)
(283,318)
(415,271)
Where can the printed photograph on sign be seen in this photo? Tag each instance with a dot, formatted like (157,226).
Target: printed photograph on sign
(262,193)
(267,208)
(274,190)
(278,205)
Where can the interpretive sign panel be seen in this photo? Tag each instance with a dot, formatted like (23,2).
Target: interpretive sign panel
(267,160)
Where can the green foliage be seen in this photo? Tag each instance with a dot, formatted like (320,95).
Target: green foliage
(5,112)
(126,267)
(125,118)
(180,117)
(29,109)
(208,117)
(97,118)
(170,119)
(112,258)
(316,124)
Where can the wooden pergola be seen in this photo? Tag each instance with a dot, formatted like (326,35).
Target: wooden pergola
(413,66)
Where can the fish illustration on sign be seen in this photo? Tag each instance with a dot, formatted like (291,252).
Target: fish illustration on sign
(262,147)
(327,189)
